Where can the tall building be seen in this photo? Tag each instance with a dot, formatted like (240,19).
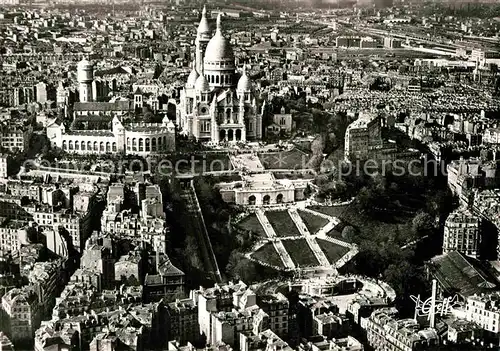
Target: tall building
(462,233)
(362,136)
(182,321)
(217,104)
(85,74)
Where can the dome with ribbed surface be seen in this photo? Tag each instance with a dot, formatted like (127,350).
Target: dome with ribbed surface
(201,84)
(203,27)
(218,48)
(193,76)
(244,83)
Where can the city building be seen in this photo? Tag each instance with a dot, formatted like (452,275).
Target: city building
(385,332)
(308,308)
(182,321)
(3,166)
(262,189)
(484,310)
(14,137)
(348,42)
(165,281)
(227,326)
(5,343)
(22,314)
(462,232)
(123,138)
(13,234)
(458,274)
(321,343)
(362,136)
(225,311)
(48,339)
(277,308)
(331,325)
(392,43)
(216,104)
(282,124)
(265,340)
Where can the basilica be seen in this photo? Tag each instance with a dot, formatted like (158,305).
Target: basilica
(217,104)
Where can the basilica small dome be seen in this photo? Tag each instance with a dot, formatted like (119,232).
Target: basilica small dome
(244,83)
(201,84)
(193,76)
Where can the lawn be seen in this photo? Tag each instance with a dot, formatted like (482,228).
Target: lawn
(282,223)
(252,223)
(293,159)
(396,230)
(268,254)
(337,234)
(300,253)
(334,211)
(332,251)
(313,222)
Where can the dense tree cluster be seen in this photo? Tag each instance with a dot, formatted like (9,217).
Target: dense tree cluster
(397,222)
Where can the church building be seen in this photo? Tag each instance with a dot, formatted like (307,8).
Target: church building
(217,104)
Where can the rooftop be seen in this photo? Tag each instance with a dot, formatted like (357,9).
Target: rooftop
(457,274)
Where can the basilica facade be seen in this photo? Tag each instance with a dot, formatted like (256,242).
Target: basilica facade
(218,104)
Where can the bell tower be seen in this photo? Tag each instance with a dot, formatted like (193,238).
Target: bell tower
(202,39)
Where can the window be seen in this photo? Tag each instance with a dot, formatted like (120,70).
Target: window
(205,126)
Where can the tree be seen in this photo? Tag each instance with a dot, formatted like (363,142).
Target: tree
(422,223)
(349,232)
(239,267)
(149,117)
(191,252)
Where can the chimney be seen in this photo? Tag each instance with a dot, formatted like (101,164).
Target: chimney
(432,315)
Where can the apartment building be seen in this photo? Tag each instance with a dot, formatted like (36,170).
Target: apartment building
(182,321)
(362,135)
(385,332)
(484,310)
(15,138)
(12,234)
(276,306)
(462,233)
(22,313)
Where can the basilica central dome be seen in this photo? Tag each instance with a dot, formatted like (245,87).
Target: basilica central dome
(219,50)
